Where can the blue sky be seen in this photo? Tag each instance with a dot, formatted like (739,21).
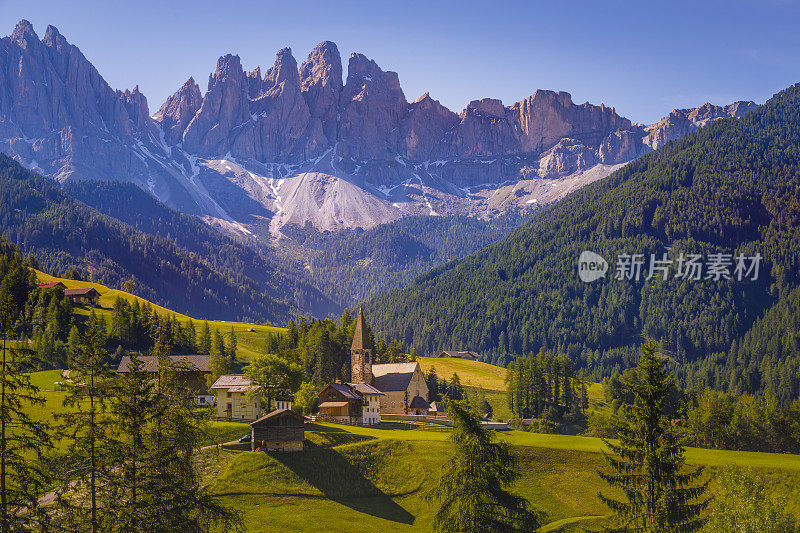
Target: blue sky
(644,58)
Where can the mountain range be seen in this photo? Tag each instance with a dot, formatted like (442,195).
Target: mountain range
(725,191)
(301,145)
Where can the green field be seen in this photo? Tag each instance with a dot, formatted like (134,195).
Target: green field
(472,373)
(249,342)
(374,479)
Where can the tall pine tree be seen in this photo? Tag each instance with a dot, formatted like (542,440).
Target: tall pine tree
(473,491)
(22,439)
(648,463)
(86,428)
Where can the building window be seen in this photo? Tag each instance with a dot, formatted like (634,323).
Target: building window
(229,394)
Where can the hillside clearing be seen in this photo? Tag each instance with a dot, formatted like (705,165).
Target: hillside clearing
(249,343)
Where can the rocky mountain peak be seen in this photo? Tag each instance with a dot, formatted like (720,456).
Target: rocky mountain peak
(321,84)
(229,70)
(52,37)
(490,107)
(58,115)
(372,104)
(23,33)
(179,109)
(283,71)
(136,106)
(424,99)
(255,84)
(322,67)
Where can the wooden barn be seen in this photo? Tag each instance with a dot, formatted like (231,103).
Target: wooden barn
(87,296)
(279,431)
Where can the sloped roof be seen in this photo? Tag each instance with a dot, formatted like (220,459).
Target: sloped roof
(83,291)
(360,336)
(333,404)
(459,355)
(363,388)
(182,362)
(393,376)
(278,413)
(231,382)
(344,389)
(419,403)
(50,284)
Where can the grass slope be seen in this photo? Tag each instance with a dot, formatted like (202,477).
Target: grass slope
(472,373)
(379,484)
(249,342)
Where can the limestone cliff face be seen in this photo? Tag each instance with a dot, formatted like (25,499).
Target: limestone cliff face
(681,122)
(179,109)
(297,145)
(321,85)
(371,104)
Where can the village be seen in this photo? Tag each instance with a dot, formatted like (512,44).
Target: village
(377,391)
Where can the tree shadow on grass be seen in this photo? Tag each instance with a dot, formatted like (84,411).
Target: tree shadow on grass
(341,482)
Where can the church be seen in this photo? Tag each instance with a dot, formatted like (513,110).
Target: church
(402,384)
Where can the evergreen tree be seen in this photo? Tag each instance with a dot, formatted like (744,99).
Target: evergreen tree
(432,380)
(22,439)
(191,334)
(87,430)
(133,409)
(173,499)
(232,346)
(473,491)
(454,389)
(204,342)
(648,463)
(219,363)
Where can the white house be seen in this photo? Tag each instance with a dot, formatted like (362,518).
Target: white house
(371,410)
(234,403)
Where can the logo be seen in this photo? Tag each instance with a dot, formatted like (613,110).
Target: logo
(591,267)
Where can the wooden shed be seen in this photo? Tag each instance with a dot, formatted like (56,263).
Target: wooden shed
(279,431)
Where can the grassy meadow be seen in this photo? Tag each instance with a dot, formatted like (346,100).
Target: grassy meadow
(250,337)
(375,479)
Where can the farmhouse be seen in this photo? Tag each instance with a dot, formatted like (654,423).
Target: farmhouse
(233,401)
(280,431)
(400,383)
(52,284)
(192,369)
(86,295)
(371,412)
(472,356)
(350,403)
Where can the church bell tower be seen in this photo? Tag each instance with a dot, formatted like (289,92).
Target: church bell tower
(360,353)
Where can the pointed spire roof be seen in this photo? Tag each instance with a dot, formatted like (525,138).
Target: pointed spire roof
(360,335)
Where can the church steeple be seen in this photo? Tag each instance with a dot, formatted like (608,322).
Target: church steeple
(360,353)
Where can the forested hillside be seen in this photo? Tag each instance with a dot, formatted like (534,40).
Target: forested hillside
(733,187)
(182,264)
(354,265)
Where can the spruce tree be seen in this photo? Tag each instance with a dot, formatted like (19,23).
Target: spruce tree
(232,346)
(648,463)
(133,410)
(86,428)
(174,499)
(22,440)
(204,342)
(472,491)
